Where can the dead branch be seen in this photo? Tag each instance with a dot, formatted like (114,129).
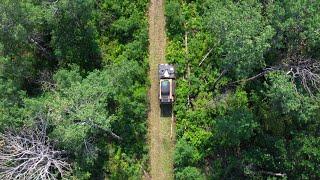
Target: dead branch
(97,126)
(307,70)
(219,77)
(273,174)
(46,81)
(188,62)
(264,72)
(36,41)
(205,57)
(28,154)
(301,69)
(254,170)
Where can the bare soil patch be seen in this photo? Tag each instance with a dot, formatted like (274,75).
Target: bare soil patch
(161,129)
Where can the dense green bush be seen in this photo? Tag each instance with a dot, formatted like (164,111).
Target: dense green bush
(79,66)
(232,126)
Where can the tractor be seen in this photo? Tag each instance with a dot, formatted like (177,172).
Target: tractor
(166,84)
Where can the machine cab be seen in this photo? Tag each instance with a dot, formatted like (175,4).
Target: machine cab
(166,83)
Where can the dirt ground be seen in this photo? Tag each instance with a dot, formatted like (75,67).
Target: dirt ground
(161,129)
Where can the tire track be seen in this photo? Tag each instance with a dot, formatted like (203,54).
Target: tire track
(161,129)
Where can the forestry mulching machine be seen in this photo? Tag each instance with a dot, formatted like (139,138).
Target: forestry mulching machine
(167,84)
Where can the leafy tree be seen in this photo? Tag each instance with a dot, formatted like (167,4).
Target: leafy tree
(49,55)
(296,24)
(185,154)
(122,28)
(190,173)
(306,159)
(174,17)
(260,126)
(73,34)
(235,128)
(84,114)
(243,34)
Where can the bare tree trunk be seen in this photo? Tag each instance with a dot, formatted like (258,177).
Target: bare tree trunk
(188,62)
(205,57)
(273,174)
(97,126)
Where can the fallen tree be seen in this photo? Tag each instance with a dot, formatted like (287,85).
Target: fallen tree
(28,154)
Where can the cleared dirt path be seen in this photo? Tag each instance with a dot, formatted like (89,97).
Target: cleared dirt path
(161,129)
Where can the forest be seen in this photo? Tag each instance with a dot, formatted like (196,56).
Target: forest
(248,101)
(74,89)
(73,78)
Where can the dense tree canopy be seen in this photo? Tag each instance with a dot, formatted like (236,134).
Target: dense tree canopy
(247,94)
(247,98)
(79,67)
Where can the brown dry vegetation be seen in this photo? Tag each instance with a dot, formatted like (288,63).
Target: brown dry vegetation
(161,137)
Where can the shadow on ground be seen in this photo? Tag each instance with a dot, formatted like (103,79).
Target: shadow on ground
(166,110)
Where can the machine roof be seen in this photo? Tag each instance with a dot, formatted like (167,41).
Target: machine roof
(166,71)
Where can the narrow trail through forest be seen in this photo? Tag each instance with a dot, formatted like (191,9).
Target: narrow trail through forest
(161,129)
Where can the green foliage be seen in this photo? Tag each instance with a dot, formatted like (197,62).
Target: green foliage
(121,166)
(185,154)
(14,28)
(73,34)
(122,27)
(307,158)
(174,17)
(260,128)
(282,93)
(296,23)
(189,173)
(65,78)
(81,67)
(17,26)
(84,113)
(243,41)
(235,127)
(11,93)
